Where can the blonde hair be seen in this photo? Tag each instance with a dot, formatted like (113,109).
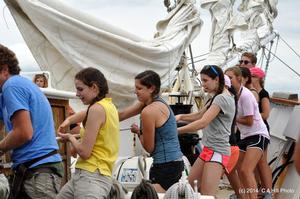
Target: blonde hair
(236,71)
(44,77)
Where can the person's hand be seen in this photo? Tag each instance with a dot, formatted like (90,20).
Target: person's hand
(135,129)
(178,117)
(64,126)
(64,136)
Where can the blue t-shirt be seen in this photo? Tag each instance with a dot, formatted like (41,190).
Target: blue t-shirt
(19,93)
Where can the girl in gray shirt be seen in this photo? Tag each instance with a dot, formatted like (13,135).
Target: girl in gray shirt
(215,119)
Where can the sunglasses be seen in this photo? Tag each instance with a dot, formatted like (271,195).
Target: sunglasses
(244,61)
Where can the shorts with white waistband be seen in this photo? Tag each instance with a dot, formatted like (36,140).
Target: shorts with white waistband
(254,141)
(209,155)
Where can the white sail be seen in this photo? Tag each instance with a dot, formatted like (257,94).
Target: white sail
(252,22)
(64,40)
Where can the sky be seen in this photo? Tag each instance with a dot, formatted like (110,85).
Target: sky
(140,18)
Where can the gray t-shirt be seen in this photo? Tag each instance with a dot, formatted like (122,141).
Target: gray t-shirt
(216,134)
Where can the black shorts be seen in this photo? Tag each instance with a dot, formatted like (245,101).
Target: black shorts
(254,141)
(166,174)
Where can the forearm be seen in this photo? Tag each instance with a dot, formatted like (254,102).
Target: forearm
(77,147)
(21,132)
(76,118)
(264,115)
(192,127)
(190,117)
(11,142)
(131,111)
(72,151)
(244,121)
(297,156)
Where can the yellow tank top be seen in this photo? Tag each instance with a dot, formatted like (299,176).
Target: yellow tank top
(106,148)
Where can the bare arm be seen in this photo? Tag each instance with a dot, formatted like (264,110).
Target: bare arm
(191,116)
(75,118)
(208,116)
(245,120)
(265,106)
(255,95)
(148,125)
(85,146)
(131,111)
(21,133)
(297,156)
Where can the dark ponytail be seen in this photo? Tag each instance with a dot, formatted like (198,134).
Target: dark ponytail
(90,76)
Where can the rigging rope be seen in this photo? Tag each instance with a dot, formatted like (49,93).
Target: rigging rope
(284,63)
(198,56)
(192,60)
(276,47)
(197,61)
(289,46)
(268,57)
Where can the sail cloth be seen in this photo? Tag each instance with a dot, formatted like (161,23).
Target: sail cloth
(64,40)
(253,20)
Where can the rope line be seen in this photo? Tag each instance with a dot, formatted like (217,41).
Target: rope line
(289,46)
(284,63)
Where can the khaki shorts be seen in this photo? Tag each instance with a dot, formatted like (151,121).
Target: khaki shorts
(42,185)
(85,184)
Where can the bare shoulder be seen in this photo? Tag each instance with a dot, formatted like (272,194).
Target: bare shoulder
(96,109)
(148,111)
(155,109)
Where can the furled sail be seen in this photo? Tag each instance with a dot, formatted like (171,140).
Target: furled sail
(64,40)
(253,20)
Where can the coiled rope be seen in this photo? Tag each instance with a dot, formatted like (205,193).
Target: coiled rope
(181,190)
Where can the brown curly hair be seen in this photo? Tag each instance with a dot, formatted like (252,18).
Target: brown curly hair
(8,57)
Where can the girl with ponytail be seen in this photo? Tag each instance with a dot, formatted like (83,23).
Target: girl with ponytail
(99,144)
(215,120)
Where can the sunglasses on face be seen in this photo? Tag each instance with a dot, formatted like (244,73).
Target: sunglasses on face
(244,61)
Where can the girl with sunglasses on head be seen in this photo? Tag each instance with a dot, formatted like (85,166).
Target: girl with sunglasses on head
(157,132)
(215,120)
(254,133)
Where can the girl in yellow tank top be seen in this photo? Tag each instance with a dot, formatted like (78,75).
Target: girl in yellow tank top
(99,144)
